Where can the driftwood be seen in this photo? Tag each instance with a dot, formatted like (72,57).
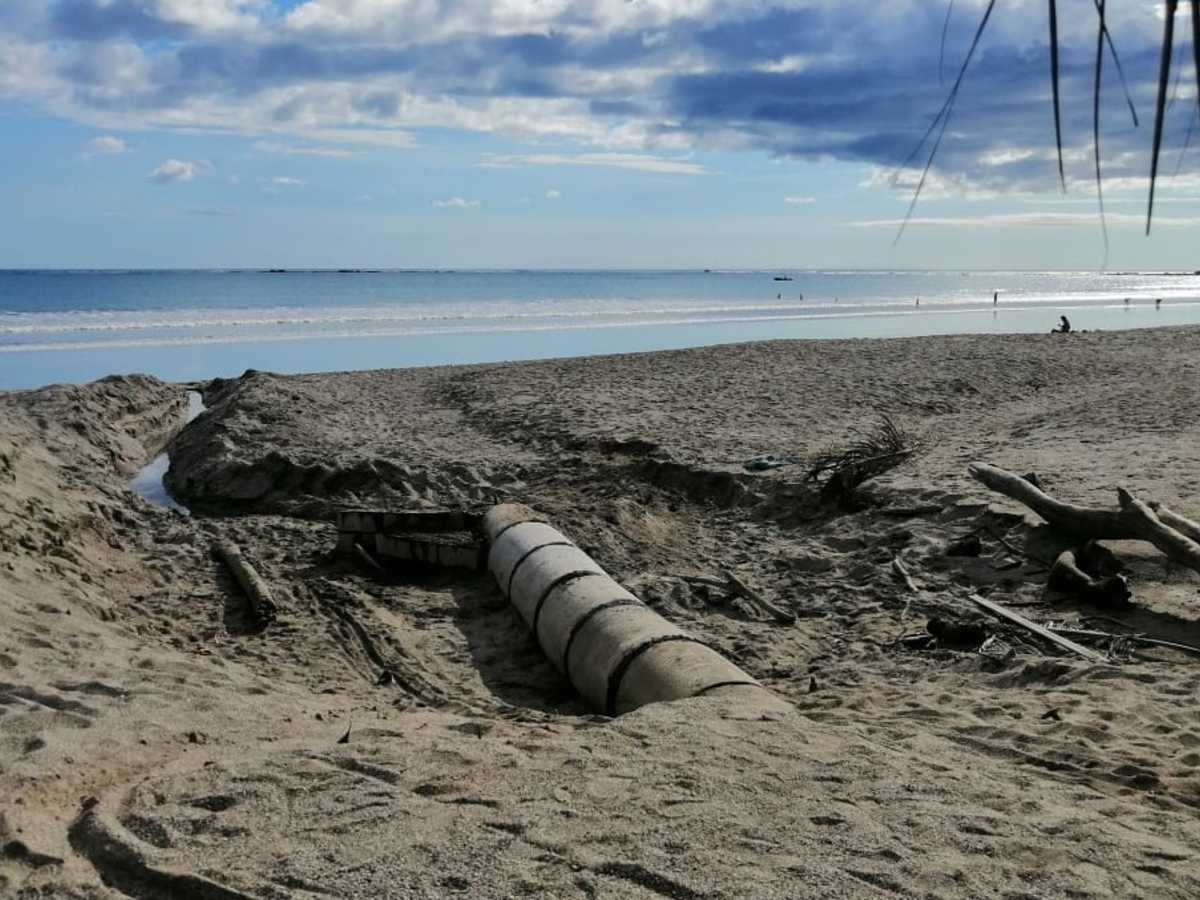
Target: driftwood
(1133,520)
(956,634)
(1016,551)
(1080,520)
(1075,573)
(1174,520)
(262,607)
(367,560)
(1139,639)
(1149,527)
(1008,615)
(739,588)
(967,545)
(900,571)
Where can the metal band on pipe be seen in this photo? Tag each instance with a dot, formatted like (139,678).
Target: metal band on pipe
(552,586)
(528,553)
(578,627)
(614,678)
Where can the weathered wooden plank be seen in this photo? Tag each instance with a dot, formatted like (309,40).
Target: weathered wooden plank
(1007,614)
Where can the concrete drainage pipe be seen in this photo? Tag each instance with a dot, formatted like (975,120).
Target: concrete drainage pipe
(617,652)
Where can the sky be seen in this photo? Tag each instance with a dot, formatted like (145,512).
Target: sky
(582,133)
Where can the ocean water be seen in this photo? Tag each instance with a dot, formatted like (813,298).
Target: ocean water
(187,325)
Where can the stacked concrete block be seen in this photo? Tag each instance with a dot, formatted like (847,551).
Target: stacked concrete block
(431,538)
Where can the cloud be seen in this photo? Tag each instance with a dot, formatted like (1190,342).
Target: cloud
(1031,220)
(212,15)
(210,213)
(457,203)
(630,161)
(392,18)
(389,139)
(150,19)
(106,145)
(553,194)
(799,201)
(177,170)
(634,86)
(288,181)
(293,150)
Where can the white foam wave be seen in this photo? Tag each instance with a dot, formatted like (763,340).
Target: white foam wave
(826,313)
(502,314)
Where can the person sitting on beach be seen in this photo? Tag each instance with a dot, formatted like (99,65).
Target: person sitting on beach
(1064,328)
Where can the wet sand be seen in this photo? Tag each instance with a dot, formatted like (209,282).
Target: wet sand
(153,742)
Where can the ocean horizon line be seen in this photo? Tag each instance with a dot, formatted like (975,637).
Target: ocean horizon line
(485,270)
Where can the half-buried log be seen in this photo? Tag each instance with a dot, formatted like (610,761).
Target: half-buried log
(262,607)
(1133,520)
(617,652)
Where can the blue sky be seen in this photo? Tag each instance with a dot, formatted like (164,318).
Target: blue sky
(561,133)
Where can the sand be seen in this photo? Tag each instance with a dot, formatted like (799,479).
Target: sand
(155,743)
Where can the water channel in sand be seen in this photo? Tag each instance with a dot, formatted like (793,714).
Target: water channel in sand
(149,481)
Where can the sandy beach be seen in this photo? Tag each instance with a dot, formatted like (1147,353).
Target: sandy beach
(155,743)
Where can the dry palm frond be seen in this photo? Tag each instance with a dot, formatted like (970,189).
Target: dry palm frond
(941,120)
(1187,141)
(1104,41)
(942,51)
(1164,76)
(1106,37)
(842,470)
(1100,8)
(1062,178)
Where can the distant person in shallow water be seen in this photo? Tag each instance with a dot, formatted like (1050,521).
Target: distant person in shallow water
(995,297)
(1157,302)
(1063,328)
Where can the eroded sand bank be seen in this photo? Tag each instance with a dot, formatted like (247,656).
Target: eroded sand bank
(153,743)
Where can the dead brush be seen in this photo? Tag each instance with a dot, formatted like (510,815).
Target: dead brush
(842,470)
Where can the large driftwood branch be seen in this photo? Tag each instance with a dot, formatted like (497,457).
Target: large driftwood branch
(1080,520)
(1149,527)
(1134,520)
(1174,520)
(262,607)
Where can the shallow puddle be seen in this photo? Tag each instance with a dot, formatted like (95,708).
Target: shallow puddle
(149,481)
